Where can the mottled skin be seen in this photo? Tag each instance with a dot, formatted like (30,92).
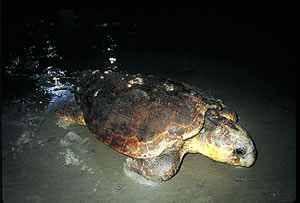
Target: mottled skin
(217,140)
(156,121)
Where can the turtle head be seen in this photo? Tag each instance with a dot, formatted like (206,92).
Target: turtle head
(224,140)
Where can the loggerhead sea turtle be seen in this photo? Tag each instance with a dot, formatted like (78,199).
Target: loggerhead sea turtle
(157,121)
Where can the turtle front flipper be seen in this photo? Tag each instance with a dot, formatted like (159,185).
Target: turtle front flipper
(70,112)
(160,168)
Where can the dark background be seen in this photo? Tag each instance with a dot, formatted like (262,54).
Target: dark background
(259,36)
(237,33)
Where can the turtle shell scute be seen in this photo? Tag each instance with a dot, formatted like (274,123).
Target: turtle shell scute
(140,116)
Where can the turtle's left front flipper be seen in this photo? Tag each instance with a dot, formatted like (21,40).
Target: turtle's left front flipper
(160,168)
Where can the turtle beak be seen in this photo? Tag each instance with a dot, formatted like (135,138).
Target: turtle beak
(247,160)
(244,152)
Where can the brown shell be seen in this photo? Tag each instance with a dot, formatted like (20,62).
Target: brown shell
(141,116)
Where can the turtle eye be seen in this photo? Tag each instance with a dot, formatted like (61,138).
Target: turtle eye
(239,151)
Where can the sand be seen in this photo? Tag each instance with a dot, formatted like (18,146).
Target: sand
(56,161)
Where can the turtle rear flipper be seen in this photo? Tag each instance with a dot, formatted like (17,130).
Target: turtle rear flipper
(71,112)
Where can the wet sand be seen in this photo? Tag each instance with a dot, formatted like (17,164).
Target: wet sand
(39,167)
(47,160)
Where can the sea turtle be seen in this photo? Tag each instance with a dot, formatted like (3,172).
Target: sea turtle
(157,121)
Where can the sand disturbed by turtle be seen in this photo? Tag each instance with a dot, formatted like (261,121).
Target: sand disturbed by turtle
(156,121)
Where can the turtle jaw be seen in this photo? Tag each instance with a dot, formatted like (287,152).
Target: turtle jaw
(247,160)
(227,154)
